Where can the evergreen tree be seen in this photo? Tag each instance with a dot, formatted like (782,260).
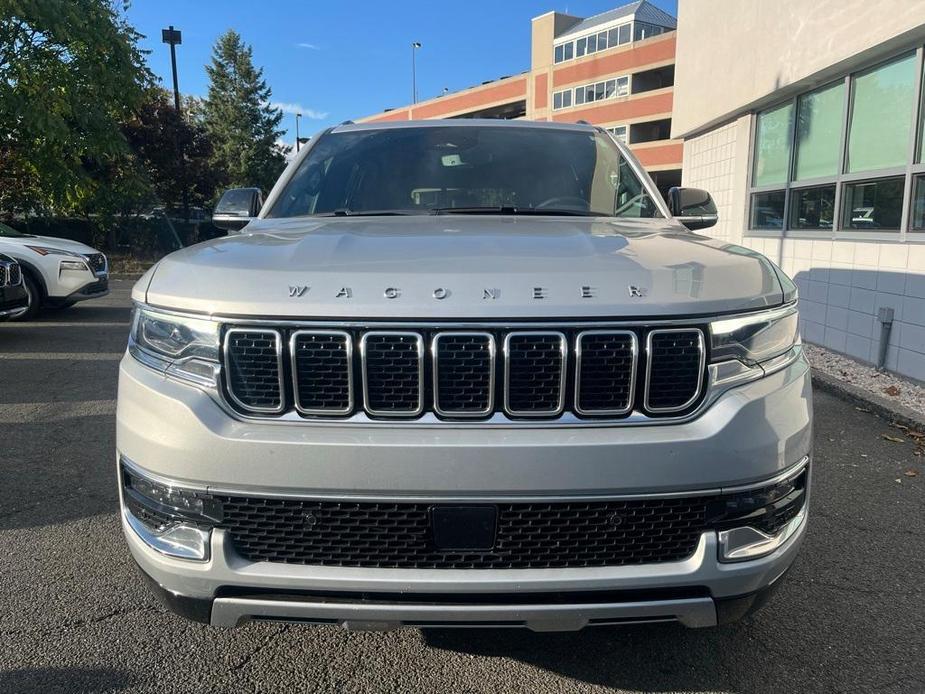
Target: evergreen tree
(242,125)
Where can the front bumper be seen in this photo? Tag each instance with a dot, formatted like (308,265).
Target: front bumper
(13,302)
(750,434)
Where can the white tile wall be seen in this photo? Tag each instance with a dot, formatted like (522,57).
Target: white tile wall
(842,283)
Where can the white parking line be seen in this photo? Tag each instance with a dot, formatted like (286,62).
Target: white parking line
(74,324)
(29,412)
(63,356)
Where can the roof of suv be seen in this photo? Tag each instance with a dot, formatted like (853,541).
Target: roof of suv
(461,123)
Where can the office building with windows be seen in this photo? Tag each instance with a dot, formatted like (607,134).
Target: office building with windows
(804,120)
(615,70)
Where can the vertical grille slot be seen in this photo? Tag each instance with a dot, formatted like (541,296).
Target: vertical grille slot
(393,373)
(534,374)
(606,371)
(254,369)
(322,371)
(674,373)
(464,374)
(14,274)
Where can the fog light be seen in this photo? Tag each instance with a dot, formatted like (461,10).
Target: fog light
(174,521)
(740,544)
(177,540)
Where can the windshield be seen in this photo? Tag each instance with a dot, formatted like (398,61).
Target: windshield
(465,170)
(11,232)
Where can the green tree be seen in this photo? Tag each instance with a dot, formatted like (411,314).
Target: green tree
(243,126)
(154,134)
(70,73)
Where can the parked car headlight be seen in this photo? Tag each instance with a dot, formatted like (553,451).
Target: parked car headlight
(757,337)
(179,345)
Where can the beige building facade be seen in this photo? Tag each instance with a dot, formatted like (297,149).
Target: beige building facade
(804,119)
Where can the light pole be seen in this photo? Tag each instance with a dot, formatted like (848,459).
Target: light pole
(174,38)
(414,85)
(297,116)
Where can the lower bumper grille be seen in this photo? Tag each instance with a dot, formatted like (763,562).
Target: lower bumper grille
(531,535)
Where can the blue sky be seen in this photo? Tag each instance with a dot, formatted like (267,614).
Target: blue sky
(340,60)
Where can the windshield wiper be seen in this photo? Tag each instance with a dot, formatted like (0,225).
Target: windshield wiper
(347,212)
(509,209)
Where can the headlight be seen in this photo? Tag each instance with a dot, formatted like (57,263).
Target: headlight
(178,345)
(76,265)
(755,338)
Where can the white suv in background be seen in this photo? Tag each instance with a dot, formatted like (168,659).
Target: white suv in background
(56,272)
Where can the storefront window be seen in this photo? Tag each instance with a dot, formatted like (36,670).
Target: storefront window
(881,116)
(874,205)
(818,131)
(918,204)
(812,208)
(768,210)
(772,145)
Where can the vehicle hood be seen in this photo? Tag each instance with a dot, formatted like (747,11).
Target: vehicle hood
(10,242)
(483,267)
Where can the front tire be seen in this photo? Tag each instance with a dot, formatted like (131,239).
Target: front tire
(34,294)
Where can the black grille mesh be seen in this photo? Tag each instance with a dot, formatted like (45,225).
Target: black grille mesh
(534,371)
(253,368)
(96,261)
(322,368)
(14,274)
(605,377)
(675,369)
(393,379)
(530,535)
(464,368)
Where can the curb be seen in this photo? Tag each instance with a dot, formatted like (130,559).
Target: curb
(878,404)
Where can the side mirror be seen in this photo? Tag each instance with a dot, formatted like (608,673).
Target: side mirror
(237,207)
(693,207)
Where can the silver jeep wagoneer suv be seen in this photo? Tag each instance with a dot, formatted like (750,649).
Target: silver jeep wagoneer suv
(464,373)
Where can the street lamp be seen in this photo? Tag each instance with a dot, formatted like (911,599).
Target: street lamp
(297,116)
(174,38)
(414,86)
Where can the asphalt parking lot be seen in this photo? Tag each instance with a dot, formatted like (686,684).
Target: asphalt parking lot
(74,616)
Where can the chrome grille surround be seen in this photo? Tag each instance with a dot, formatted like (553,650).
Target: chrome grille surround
(563,372)
(634,364)
(14,274)
(226,356)
(650,361)
(297,371)
(426,401)
(492,357)
(364,360)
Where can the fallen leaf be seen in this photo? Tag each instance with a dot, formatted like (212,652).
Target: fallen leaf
(915,434)
(892,391)
(911,473)
(899,426)
(862,409)
(894,439)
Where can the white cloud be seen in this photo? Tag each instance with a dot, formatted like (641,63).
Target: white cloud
(299,108)
(282,145)
(310,46)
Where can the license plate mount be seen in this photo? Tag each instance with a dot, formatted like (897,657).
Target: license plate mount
(464,527)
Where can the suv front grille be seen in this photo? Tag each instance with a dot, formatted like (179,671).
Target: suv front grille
(96,261)
(528,535)
(464,374)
